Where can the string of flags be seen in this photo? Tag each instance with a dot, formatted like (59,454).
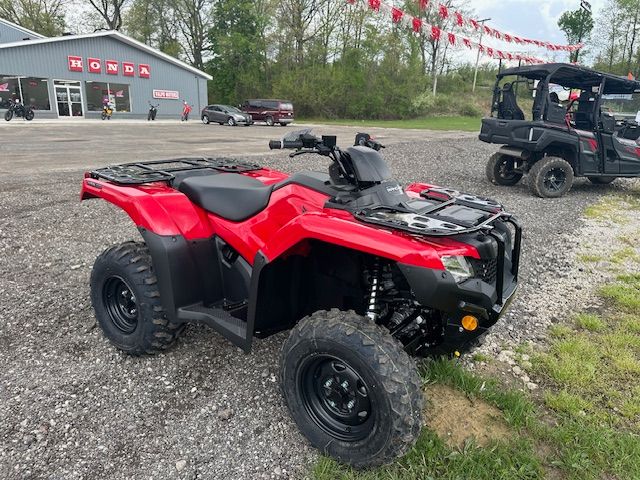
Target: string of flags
(418,25)
(444,12)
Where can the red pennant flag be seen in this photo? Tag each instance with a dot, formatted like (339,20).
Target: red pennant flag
(509,56)
(490,51)
(507,37)
(480,48)
(475,24)
(424,4)
(452,38)
(443,11)
(396,14)
(435,32)
(467,42)
(459,19)
(487,30)
(417,24)
(497,34)
(374,5)
(517,39)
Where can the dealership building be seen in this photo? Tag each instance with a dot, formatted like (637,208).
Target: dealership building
(74,75)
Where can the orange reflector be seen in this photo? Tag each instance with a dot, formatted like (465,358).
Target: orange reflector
(469,322)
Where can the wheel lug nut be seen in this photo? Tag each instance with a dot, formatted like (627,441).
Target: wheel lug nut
(328,383)
(351,404)
(345,384)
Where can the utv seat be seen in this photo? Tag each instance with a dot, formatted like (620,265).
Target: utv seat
(508,108)
(231,196)
(584,114)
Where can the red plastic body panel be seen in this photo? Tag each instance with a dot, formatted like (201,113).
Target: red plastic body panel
(294,214)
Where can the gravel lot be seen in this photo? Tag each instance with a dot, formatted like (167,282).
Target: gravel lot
(72,407)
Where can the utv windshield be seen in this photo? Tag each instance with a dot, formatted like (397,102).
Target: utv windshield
(622,106)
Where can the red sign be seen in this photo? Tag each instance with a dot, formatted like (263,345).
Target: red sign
(112,67)
(75,63)
(144,71)
(128,69)
(166,94)
(95,65)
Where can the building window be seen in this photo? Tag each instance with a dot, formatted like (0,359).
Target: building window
(9,90)
(100,92)
(29,90)
(35,92)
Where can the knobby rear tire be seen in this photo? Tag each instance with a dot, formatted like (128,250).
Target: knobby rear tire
(131,263)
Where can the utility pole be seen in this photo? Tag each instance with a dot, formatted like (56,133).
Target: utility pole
(475,73)
(585,8)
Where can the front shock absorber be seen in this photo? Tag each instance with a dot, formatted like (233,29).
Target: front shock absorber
(374,289)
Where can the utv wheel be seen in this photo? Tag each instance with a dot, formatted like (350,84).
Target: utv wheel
(125,297)
(205,119)
(29,115)
(269,121)
(601,180)
(351,388)
(8,115)
(551,177)
(500,170)
(231,122)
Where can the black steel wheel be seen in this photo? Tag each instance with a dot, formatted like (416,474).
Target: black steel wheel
(551,177)
(500,170)
(336,397)
(351,388)
(601,180)
(28,116)
(120,304)
(126,301)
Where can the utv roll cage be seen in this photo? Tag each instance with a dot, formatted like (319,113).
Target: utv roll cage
(593,85)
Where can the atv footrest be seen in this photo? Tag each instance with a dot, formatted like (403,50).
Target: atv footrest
(232,328)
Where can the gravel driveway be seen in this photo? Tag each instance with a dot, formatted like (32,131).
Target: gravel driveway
(73,407)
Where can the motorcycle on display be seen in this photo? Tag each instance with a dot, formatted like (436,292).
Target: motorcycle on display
(153,111)
(107,111)
(16,108)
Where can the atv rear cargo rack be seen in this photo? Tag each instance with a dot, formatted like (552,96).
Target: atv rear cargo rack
(139,173)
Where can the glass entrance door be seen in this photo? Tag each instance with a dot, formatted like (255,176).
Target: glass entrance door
(68,99)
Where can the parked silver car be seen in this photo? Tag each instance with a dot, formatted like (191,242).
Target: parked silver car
(225,114)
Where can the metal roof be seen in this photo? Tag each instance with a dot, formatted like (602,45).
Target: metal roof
(113,34)
(574,76)
(22,29)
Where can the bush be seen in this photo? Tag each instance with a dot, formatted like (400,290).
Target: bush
(426,104)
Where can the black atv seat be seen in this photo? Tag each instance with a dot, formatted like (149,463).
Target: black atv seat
(231,196)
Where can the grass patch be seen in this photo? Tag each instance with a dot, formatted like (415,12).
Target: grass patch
(624,292)
(590,258)
(589,321)
(467,124)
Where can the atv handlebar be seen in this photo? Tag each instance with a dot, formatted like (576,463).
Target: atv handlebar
(285,144)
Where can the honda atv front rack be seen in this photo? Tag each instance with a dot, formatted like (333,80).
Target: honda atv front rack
(435,219)
(139,173)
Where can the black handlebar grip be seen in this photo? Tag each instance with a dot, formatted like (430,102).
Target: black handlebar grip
(292,144)
(275,144)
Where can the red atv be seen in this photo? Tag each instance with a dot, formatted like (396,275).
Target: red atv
(365,274)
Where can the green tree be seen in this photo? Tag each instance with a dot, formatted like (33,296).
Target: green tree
(237,51)
(577,26)
(42,16)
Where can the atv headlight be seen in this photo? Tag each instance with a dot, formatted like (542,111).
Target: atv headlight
(458,266)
